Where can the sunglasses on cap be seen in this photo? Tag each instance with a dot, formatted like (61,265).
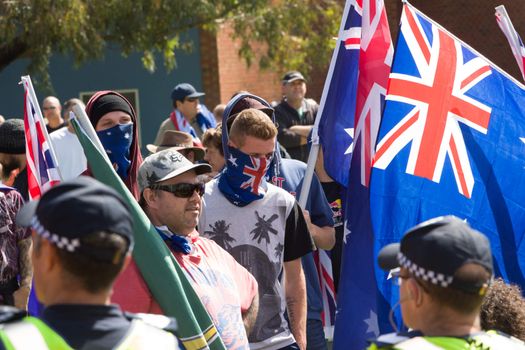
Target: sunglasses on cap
(191,99)
(182,190)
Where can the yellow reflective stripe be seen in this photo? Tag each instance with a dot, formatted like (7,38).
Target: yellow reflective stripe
(5,341)
(52,339)
(200,341)
(144,336)
(25,335)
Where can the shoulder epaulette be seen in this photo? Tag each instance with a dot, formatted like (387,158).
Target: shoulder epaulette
(11,314)
(166,323)
(390,339)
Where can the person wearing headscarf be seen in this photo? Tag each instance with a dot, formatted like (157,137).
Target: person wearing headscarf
(115,122)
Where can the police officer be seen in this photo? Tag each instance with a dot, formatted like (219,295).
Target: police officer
(444,268)
(82,239)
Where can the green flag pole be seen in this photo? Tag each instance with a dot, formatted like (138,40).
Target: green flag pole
(161,271)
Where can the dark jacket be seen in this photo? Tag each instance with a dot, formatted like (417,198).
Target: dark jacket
(287,116)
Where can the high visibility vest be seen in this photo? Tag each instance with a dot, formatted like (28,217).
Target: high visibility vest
(490,340)
(32,333)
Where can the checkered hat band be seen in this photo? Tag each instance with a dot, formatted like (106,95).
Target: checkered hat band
(433,277)
(61,242)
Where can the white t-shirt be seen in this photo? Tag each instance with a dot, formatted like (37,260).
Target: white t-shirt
(255,236)
(70,154)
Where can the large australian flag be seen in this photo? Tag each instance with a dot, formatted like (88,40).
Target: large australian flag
(451,141)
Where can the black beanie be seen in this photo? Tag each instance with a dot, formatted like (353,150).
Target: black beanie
(108,103)
(12,137)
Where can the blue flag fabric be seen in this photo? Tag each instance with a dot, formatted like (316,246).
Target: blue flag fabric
(451,142)
(336,119)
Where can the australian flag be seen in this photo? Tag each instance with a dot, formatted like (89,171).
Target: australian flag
(451,141)
(352,110)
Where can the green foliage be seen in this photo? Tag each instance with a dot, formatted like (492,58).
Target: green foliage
(296,33)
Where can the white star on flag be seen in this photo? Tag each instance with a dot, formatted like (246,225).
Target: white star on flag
(350,149)
(347,232)
(522,139)
(232,160)
(372,325)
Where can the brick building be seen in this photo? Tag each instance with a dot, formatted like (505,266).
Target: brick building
(473,21)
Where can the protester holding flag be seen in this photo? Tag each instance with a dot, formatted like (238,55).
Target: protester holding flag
(289,175)
(83,238)
(171,197)
(262,226)
(115,120)
(443,268)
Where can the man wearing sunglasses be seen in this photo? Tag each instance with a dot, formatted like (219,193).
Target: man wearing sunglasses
(443,268)
(188,114)
(171,197)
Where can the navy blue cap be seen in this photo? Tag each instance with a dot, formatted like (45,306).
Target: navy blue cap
(435,249)
(184,90)
(74,209)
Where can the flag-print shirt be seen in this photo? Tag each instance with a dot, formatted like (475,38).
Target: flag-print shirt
(225,288)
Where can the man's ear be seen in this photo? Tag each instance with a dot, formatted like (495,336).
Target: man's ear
(415,292)
(232,143)
(150,197)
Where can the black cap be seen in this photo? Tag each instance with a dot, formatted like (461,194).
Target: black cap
(293,76)
(435,249)
(12,137)
(181,91)
(74,209)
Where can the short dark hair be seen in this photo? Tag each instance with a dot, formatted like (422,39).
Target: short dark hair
(503,309)
(96,272)
(252,122)
(460,301)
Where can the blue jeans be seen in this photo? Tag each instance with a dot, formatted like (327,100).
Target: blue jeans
(315,335)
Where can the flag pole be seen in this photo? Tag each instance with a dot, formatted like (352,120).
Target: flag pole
(80,115)
(26,81)
(314,150)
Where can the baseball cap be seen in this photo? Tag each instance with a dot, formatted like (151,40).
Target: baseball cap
(165,165)
(293,76)
(181,91)
(435,249)
(178,140)
(74,209)
(246,103)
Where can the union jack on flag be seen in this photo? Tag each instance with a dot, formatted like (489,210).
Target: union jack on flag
(515,42)
(432,125)
(351,109)
(42,168)
(451,142)
(255,174)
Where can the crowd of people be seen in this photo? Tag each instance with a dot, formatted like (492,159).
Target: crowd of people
(221,190)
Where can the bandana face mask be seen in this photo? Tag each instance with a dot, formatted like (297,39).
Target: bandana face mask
(244,177)
(117,141)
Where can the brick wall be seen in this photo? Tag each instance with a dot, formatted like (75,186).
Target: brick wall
(472,21)
(226,73)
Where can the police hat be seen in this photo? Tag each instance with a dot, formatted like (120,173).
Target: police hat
(73,210)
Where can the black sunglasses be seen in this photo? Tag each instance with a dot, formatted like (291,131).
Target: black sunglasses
(182,190)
